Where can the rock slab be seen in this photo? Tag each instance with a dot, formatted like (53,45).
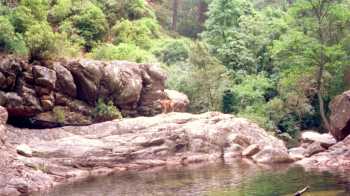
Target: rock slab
(61,155)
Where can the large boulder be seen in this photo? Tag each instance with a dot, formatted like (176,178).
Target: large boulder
(32,91)
(70,153)
(340,116)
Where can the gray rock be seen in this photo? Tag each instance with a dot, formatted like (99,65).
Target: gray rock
(44,77)
(326,140)
(297,153)
(65,81)
(251,150)
(271,154)
(24,150)
(314,148)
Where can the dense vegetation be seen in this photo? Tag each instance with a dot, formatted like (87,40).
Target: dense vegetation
(278,63)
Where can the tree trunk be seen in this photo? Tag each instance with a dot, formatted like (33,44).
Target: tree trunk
(175,7)
(320,14)
(202,9)
(321,102)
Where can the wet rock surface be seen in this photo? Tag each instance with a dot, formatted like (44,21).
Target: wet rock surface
(66,154)
(34,90)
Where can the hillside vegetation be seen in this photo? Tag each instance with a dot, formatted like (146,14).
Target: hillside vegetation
(278,63)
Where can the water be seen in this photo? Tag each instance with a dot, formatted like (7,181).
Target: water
(230,179)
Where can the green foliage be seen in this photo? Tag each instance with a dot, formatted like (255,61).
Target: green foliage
(127,52)
(59,115)
(105,112)
(252,90)
(41,41)
(22,19)
(10,41)
(202,78)
(38,8)
(60,11)
(172,51)
(90,24)
(240,37)
(138,32)
(127,9)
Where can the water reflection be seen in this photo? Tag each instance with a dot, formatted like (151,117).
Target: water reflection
(234,179)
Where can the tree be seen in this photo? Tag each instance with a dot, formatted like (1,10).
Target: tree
(313,44)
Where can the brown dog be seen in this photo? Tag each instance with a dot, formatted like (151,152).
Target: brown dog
(167,106)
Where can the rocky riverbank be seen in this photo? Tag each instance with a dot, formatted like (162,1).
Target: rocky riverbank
(35,160)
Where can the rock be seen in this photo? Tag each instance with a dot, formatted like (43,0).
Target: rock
(87,76)
(340,116)
(3,120)
(65,81)
(44,77)
(271,154)
(297,153)
(335,158)
(180,100)
(135,89)
(251,150)
(326,140)
(3,115)
(313,148)
(47,104)
(72,153)
(24,150)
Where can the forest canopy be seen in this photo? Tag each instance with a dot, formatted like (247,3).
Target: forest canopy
(276,62)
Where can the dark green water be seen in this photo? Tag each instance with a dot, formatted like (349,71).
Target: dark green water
(231,179)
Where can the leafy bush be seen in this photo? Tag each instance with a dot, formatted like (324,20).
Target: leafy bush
(173,51)
(252,90)
(60,11)
(59,115)
(127,9)
(41,41)
(22,19)
(139,32)
(105,112)
(91,24)
(123,51)
(9,40)
(202,78)
(39,8)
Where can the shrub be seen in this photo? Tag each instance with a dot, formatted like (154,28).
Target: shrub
(22,19)
(91,24)
(9,40)
(41,41)
(105,112)
(139,32)
(60,11)
(38,8)
(59,115)
(251,90)
(173,51)
(127,9)
(123,51)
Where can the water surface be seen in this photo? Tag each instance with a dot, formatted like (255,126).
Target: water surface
(231,179)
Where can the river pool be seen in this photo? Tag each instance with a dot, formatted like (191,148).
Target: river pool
(221,179)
